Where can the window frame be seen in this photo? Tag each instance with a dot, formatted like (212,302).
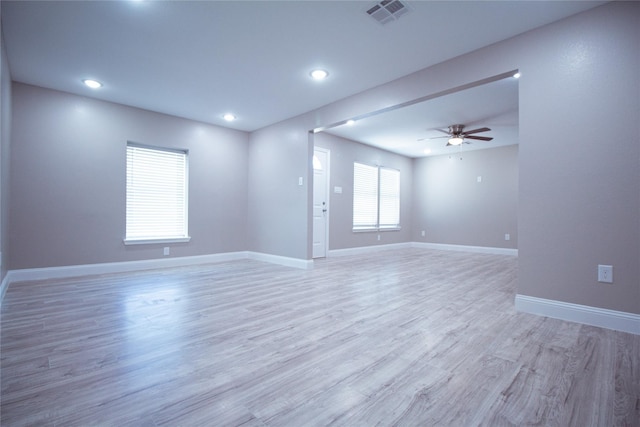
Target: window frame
(185,197)
(377,227)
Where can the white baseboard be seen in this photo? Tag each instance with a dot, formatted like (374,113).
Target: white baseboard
(3,286)
(28,274)
(366,249)
(423,245)
(4,282)
(281,260)
(594,316)
(118,267)
(464,248)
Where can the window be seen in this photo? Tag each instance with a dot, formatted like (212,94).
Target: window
(376,198)
(156,195)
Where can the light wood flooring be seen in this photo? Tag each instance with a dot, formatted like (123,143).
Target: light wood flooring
(409,337)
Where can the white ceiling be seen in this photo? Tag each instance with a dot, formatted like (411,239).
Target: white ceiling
(202,59)
(408,130)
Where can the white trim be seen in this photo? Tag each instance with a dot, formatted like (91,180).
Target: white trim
(128,266)
(4,286)
(327,178)
(437,246)
(119,267)
(464,248)
(156,241)
(4,282)
(282,260)
(376,229)
(366,249)
(594,316)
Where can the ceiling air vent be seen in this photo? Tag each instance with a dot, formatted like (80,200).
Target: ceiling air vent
(387,11)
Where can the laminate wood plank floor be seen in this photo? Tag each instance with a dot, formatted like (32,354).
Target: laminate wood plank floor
(409,337)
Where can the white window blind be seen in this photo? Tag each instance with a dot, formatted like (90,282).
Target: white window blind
(365,196)
(376,197)
(156,194)
(389,198)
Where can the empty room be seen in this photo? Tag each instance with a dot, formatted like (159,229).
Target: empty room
(312,213)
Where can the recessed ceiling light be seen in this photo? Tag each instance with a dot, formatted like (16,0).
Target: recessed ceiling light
(427,151)
(319,74)
(229,117)
(516,76)
(93,84)
(350,122)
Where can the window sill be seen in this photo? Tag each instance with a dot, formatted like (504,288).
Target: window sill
(375,230)
(128,242)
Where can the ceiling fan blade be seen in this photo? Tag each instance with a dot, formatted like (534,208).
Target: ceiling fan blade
(476,131)
(439,137)
(481,138)
(441,130)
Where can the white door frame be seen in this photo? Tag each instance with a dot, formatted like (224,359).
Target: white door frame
(327,169)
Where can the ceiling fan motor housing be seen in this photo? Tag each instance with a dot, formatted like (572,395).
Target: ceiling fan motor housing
(456,130)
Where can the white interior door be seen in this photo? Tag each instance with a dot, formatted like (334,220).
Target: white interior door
(320,201)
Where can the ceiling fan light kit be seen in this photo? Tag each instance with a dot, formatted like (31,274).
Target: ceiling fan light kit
(456,140)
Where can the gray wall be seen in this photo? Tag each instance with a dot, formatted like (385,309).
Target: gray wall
(580,158)
(68,180)
(579,153)
(279,208)
(5,138)
(452,207)
(343,153)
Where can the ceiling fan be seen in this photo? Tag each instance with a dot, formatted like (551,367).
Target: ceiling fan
(457,135)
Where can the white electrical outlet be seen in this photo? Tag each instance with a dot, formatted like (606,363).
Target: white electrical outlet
(167,250)
(605,273)
(378,237)
(422,233)
(507,236)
